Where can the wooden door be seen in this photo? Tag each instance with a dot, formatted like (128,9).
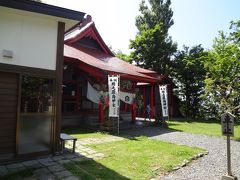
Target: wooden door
(8,114)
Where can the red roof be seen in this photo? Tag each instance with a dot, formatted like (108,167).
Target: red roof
(100,60)
(86,29)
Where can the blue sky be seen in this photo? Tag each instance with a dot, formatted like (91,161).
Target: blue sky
(198,21)
(195,21)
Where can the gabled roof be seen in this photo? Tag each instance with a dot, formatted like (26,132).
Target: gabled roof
(33,6)
(86,29)
(100,56)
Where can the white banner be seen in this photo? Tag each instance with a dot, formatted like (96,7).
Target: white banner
(127,97)
(164,100)
(113,90)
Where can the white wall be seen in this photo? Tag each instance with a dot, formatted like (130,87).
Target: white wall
(32,39)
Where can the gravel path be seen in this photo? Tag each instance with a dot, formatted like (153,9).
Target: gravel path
(210,167)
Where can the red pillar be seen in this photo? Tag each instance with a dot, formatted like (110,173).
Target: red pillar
(100,113)
(133,112)
(152,104)
(144,101)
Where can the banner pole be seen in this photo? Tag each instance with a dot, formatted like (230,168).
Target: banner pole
(228,151)
(229,156)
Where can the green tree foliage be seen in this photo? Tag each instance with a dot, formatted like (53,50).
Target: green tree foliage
(118,53)
(223,72)
(189,77)
(123,56)
(152,47)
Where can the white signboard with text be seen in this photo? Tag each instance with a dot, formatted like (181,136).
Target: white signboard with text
(114,101)
(164,100)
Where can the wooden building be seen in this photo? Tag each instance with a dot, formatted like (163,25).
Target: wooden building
(88,62)
(151,96)
(31,68)
(53,70)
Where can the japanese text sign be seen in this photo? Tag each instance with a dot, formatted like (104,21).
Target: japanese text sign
(114,101)
(164,100)
(227,120)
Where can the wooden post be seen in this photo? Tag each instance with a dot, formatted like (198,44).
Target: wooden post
(229,156)
(59,77)
(227,120)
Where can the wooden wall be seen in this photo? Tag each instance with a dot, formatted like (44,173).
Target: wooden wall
(8,114)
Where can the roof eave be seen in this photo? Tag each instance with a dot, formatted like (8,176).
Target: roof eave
(42,8)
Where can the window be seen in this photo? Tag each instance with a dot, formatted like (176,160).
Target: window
(37,113)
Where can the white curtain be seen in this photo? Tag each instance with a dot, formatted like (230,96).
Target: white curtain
(127,97)
(92,94)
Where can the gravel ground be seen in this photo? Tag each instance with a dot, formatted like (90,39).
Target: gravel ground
(210,167)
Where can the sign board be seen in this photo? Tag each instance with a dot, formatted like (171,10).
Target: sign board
(164,100)
(114,100)
(227,120)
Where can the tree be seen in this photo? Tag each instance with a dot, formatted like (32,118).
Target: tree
(118,53)
(189,75)
(223,71)
(152,47)
(123,56)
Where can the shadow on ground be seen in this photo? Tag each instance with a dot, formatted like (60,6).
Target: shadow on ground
(92,170)
(150,130)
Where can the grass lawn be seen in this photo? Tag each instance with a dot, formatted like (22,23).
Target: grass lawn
(83,133)
(208,127)
(140,158)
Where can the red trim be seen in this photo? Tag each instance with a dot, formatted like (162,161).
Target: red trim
(91,70)
(85,67)
(134,78)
